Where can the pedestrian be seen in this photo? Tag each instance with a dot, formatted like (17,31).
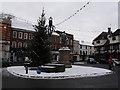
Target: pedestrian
(111,66)
(26,69)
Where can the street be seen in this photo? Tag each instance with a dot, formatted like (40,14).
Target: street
(109,81)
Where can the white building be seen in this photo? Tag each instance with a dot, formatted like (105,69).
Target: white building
(86,50)
(76,52)
(82,50)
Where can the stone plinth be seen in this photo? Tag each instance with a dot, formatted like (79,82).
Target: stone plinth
(64,57)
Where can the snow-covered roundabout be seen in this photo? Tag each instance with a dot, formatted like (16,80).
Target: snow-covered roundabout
(74,72)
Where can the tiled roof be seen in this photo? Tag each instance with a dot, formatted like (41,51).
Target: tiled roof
(117,32)
(102,36)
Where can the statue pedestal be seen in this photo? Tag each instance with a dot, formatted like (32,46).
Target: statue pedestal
(64,57)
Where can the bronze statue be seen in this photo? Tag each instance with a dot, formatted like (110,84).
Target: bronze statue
(64,39)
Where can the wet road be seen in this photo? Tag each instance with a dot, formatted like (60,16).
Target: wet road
(109,81)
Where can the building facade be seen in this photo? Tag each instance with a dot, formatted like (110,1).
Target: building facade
(76,52)
(5,32)
(17,35)
(82,50)
(107,45)
(20,39)
(86,50)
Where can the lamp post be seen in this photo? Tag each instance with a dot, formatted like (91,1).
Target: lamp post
(50,27)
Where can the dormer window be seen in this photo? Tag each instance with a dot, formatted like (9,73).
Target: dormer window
(109,36)
(114,38)
(98,42)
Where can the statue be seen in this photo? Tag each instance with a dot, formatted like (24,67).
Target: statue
(64,52)
(64,39)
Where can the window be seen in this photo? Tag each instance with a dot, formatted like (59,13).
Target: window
(86,47)
(30,36)
(68,42)
(25,35)
(90,52)
(81,46)
(14,44)
(25,45)
(90,47)
(20,45)
(98,41)
(86,52)
(80,52)
(60,40)
(14,34)
(83,52)
(54,39)
(114,38)
(71,42)
(20,35)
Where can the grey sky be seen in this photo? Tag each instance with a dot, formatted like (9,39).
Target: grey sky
(85,25)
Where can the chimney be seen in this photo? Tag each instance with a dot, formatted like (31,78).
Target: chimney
(109,30)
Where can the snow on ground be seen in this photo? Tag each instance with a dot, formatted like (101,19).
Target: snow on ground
(74,72)
(79,63)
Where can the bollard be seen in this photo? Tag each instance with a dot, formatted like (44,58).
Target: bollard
(26,69)
(38,70)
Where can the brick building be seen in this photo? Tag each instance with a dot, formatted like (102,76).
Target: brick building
(17,34)
(5,32)
(56,44)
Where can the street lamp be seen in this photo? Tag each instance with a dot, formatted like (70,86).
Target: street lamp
(5,27)
(50,27)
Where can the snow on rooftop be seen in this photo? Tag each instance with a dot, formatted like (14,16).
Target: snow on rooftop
(16,23)
(86,43)
(54,33)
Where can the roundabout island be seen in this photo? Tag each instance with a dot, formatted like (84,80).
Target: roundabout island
(74,72)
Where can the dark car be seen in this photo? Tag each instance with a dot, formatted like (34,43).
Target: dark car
(103,61)
(91,61)
(6,62)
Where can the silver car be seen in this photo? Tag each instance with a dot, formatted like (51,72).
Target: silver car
(116,61)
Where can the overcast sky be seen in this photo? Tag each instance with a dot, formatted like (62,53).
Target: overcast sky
(85,25)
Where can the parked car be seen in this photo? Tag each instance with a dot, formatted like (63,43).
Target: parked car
(91,61)
(103,61)
(6,63)
(116,61)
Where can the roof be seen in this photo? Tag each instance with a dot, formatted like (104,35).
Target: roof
(57,31)
(102,36)
(22,29)
(117,32)
(56,34)
(107,42)
(17,22)
(86,43)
